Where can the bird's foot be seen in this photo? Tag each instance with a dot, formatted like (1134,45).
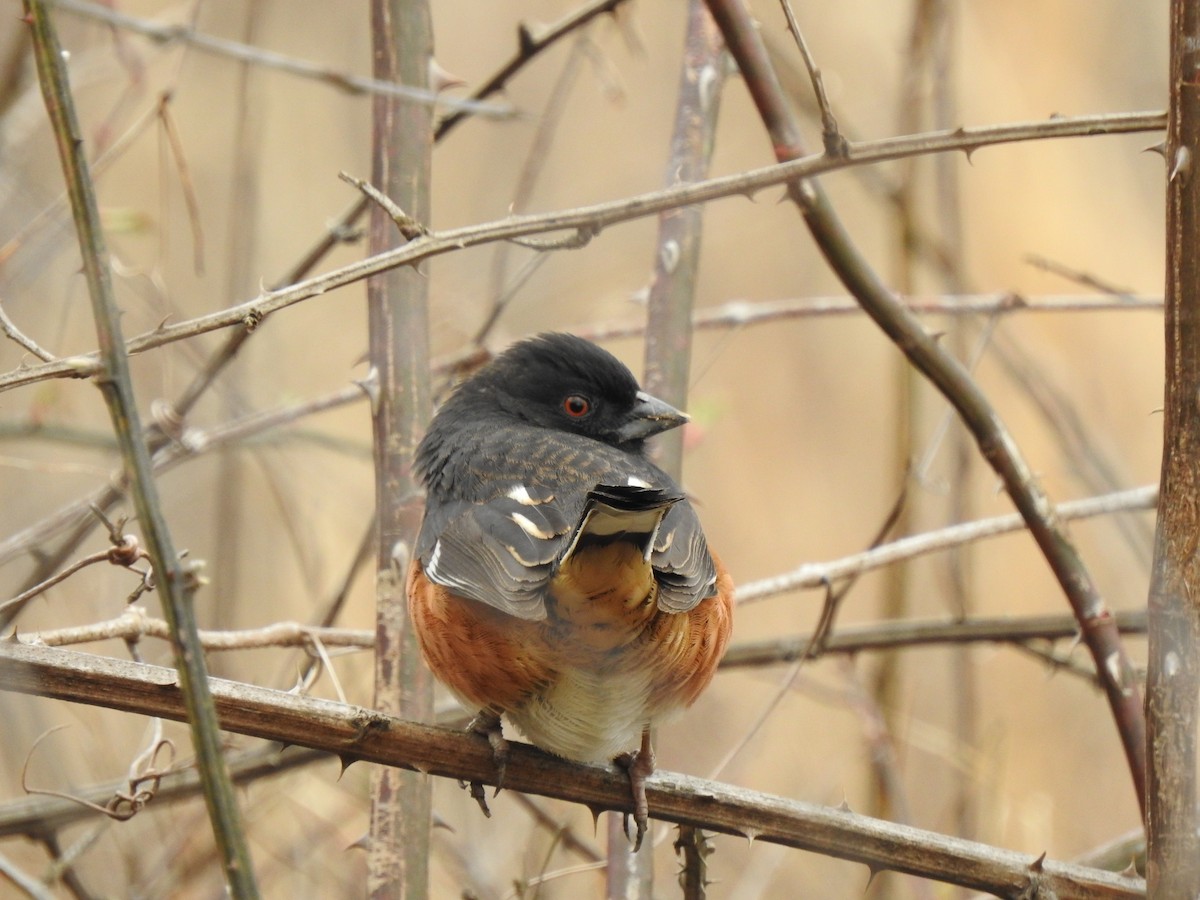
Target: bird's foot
(639,766)
(487,724)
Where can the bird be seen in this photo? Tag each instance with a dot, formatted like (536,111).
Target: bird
(560,579)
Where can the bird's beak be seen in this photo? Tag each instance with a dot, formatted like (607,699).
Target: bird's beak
(649,417)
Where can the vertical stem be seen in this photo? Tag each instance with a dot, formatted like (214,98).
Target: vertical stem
(959,567)
(1173,848)
(402,34)
(174,580)
(669,317)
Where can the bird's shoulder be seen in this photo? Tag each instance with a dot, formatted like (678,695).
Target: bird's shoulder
(492,459)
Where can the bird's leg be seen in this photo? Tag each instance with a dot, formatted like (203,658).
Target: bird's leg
(487,724)
(639,766)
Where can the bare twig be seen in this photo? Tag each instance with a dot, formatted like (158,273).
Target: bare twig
(595,217)
(854,639)
(124,552)
(834,141)
(816,575)
(13,333)
(23,881)
(42,817)
(355,84)
(530,43)
(140,788)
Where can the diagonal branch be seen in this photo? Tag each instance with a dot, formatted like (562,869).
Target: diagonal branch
(175,581)
(207,43)
(956,384)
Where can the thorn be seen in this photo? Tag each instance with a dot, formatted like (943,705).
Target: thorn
(525,40)
(363,843)
(596,811)
(751,835)
(1182,165)
(872,872)
(370,387)
(1131,870)
(844,806)
(440,79)
(1160,148)
(479,795)
(1039,864)
(347,760)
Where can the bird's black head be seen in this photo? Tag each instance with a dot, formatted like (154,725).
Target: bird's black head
(564,382)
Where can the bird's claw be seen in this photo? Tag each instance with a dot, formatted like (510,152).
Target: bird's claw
(475,788)
(638,766)
(487,724)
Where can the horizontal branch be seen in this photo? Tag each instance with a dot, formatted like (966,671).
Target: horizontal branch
(355,733)
(917,633)
(135,624)
(590,220)
(818,575)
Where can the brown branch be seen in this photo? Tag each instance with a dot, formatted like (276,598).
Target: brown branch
(854,639)
(593,218)
(947,374)
(355,733)
(1173,673)
(398,855)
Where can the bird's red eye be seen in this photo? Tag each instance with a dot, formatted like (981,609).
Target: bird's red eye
(576,406)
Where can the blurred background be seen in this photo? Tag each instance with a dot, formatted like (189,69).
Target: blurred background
(216,176)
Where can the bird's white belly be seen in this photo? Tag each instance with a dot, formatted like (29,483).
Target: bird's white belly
(588,716)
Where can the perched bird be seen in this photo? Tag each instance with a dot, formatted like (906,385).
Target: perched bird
(560,578)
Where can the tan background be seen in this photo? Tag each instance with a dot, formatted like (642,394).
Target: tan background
(794,461)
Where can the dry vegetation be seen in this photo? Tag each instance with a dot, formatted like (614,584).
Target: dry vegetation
(1038,263)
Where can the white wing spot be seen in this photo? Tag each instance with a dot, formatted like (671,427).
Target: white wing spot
(520,493)
(431,569)
(634,481)
(530,527)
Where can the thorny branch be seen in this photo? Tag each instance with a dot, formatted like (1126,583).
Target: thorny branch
(595,217)
(355,733)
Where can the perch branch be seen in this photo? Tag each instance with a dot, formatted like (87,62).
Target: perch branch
(355,733)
